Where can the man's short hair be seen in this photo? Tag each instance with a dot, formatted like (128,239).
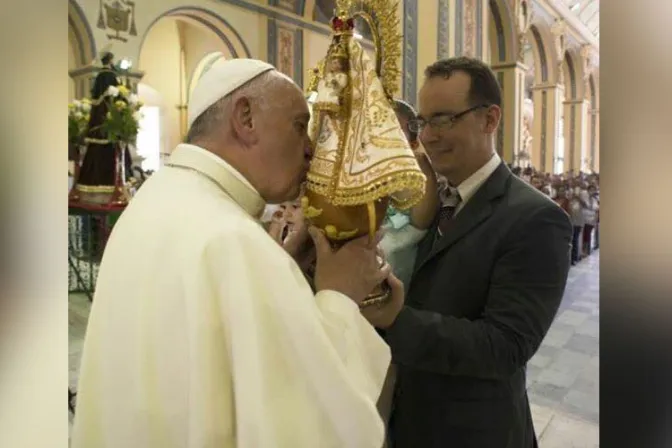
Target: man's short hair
(484,87)
(406,110)
(206,122)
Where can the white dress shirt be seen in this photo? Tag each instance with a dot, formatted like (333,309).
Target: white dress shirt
(470,186)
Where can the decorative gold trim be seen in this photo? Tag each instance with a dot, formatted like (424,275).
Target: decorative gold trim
(325,107)
(308,210)
(95,188)
(371,209)
(376,299)
(388,52)
(339,235)
(97,141)
(315,75)
(411,180)
(342,133)
(387,41)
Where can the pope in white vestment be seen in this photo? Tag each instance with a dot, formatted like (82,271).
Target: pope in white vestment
(204,332)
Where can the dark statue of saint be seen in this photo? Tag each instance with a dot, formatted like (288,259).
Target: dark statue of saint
(96,181)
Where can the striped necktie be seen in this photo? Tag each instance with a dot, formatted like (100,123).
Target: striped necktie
(447,212)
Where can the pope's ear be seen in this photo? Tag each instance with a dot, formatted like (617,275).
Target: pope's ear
(241,118)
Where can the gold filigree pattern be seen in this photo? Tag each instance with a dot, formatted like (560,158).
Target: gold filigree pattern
(361,153)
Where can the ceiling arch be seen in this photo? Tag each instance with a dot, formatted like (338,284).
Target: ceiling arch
(588,12)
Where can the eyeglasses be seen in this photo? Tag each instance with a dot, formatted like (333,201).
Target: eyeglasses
(445,120)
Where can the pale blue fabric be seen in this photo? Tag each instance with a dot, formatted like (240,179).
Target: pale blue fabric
(400,244)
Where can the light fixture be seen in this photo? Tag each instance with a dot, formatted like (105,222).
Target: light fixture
(125,64)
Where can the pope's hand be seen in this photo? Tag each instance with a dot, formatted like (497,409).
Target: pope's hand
(383,315)
(353,269)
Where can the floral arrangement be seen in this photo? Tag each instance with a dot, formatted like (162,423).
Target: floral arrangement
(121,123)
(123,116)
(78,120)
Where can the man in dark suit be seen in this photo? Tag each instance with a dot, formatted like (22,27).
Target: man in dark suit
(487,283)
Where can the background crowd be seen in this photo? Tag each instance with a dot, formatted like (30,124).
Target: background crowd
(579,195)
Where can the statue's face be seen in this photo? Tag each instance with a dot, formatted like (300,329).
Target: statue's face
(337,65)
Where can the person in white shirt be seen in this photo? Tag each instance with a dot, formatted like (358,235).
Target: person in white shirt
(590,209)
(203,330)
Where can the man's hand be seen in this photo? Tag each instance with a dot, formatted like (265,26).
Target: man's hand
(383,315)
(353,270)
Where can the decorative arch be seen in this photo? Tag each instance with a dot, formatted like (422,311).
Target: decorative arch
(541,72)
(237,48)
(574,77)
(503,41)
(83,47)
(81,35)
(542,41)
(594,88)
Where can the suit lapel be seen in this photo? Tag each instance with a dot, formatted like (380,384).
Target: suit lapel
(474,212)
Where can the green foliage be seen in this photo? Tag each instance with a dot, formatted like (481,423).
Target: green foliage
(78,119)
(122,121)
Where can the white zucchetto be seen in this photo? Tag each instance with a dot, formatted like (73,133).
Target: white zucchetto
(220,80)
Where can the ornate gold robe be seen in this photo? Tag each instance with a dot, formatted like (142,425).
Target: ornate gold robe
(204,333)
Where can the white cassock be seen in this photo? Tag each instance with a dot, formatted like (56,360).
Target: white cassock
(204,333)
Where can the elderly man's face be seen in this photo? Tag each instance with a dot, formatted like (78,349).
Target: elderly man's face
(284,145)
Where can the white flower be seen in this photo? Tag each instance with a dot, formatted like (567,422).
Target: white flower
(78,114)
(112,91)
(77,104)
(85,107)
(133,99)
(137,116)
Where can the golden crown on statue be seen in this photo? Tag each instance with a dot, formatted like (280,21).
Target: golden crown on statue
(362,161)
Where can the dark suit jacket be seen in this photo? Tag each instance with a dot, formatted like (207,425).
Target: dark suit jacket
(479,304)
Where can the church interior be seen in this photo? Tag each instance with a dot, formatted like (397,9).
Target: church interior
(545,54)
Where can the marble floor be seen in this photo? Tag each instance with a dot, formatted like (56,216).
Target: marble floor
(563,376)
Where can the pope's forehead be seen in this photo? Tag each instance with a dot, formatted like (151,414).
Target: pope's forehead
(292,97)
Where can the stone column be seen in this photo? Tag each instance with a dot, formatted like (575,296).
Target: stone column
(83,78)
(594,142)
(547,102)
(511,79)
(429,34)
(132,78)
(576,124)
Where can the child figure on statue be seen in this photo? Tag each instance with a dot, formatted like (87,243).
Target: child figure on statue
(330,88)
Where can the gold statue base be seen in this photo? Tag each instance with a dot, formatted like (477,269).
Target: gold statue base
(345,223)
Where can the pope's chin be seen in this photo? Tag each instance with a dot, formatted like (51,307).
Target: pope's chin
(289,194)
